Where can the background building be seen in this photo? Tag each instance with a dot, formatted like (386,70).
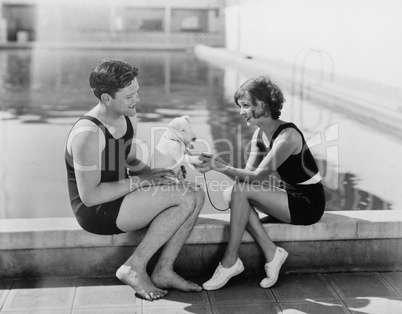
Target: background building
(183,22)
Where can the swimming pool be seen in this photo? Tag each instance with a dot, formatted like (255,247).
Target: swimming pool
(43,92)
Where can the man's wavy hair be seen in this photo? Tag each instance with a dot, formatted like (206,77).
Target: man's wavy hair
(261,88)
(110,76)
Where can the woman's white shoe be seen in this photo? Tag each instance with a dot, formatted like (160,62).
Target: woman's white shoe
(273,268)
(222,275)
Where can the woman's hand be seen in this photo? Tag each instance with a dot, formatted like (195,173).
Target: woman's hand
(211,162)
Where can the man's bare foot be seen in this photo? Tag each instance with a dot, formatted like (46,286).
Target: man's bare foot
(166,279)
(140,282)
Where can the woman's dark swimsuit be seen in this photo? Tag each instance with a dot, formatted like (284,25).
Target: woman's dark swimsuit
(101,219)
(306,202)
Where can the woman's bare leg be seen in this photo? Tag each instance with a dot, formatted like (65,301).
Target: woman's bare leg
(257,231)
(273,202)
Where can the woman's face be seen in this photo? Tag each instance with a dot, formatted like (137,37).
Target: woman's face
(247,108)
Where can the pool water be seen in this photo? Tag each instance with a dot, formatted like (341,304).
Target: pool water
(43,92)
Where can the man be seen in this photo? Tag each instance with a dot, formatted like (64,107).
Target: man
(105,200)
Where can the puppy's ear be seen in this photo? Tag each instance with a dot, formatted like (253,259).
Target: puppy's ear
(173,123)
(187,117)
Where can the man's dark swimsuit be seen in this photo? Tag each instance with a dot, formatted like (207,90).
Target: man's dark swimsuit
(101,219)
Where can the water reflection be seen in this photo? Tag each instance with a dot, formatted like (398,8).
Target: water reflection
(349,197)
(44,91)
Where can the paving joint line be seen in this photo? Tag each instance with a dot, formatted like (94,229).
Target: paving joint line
(338,292)
(388,284)
(329,287)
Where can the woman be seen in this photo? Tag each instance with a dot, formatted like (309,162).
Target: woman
(276,146)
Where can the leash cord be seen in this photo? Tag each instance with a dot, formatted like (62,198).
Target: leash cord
(209,197)
(206,186)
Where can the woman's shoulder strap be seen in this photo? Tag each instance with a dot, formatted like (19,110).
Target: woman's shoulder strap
(281,128)
(260,142)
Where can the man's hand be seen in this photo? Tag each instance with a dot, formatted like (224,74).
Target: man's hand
(136,167)
(152,177)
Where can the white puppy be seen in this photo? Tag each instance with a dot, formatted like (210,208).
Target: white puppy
(171,149)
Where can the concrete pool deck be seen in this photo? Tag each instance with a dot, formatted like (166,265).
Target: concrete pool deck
(335,293)
(349,262)
(341,241)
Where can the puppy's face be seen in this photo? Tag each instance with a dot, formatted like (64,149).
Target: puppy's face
(182,124)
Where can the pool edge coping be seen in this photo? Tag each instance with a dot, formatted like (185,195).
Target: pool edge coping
(46,233)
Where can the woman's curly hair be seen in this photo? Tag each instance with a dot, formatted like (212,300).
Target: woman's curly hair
(261,88)
(110,76)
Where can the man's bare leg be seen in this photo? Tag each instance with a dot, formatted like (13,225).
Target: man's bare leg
(165,215)
(163,275)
